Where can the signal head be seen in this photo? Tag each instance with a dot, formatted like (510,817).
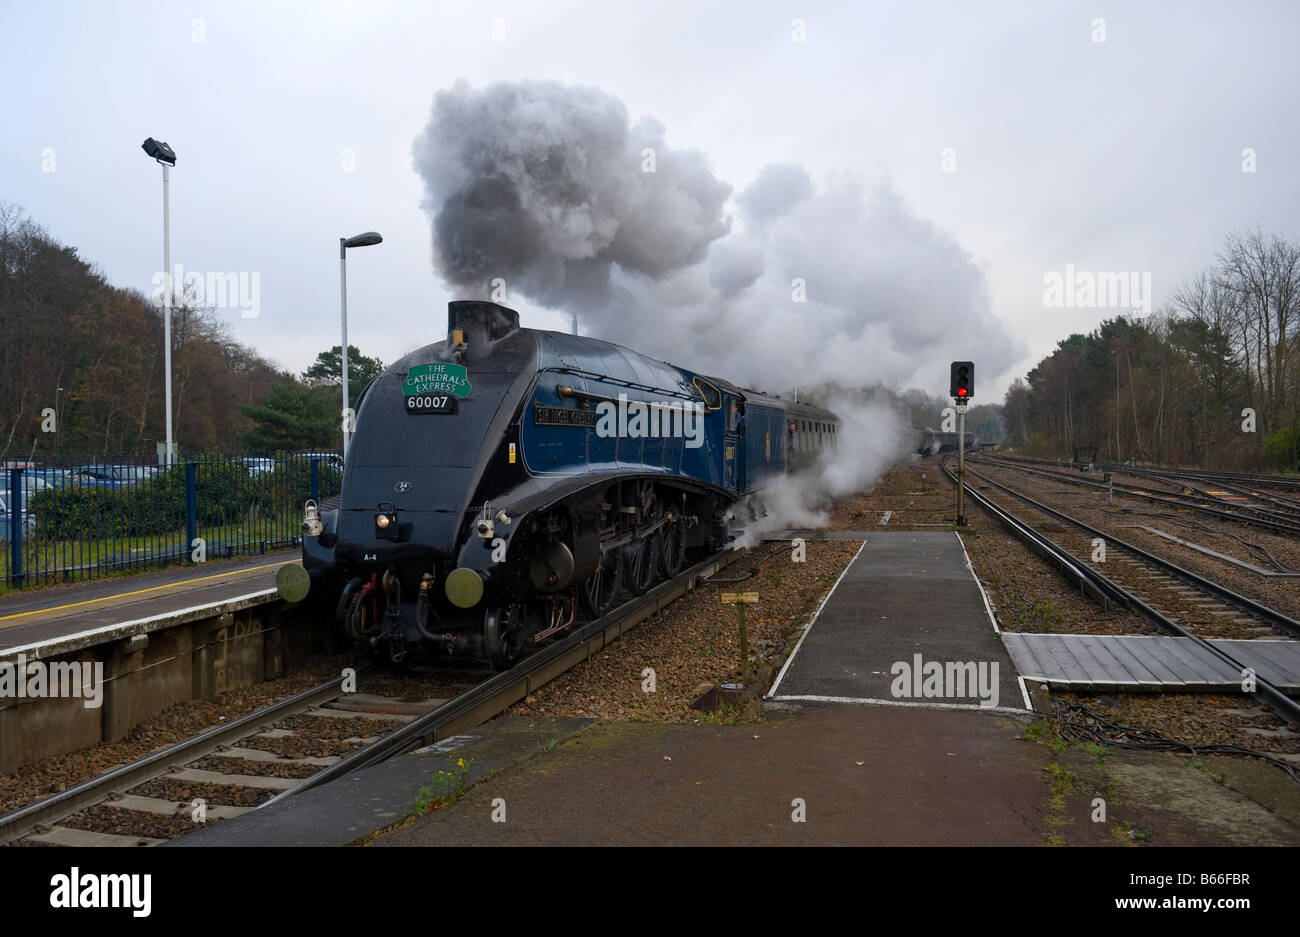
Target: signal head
(962,381)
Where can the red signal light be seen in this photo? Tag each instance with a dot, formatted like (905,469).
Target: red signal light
(961,392)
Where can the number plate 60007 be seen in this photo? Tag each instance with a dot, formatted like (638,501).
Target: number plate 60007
(431,403)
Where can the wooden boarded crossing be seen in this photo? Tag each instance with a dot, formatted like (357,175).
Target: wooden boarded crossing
(1138,662)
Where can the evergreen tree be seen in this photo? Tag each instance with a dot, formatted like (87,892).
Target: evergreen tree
(328,369)
(295,416)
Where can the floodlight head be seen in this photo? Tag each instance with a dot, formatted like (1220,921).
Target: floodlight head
(159,151)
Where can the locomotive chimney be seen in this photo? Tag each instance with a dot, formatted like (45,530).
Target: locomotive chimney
(474,325)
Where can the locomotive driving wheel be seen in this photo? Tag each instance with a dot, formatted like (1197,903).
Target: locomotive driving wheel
(639,564)
(640,556)
(671,553)
(600,587)
(503,633)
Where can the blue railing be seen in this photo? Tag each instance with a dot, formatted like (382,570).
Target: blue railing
(82,519)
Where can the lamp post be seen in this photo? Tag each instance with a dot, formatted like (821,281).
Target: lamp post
(57,392)
(360,240)
(165,157)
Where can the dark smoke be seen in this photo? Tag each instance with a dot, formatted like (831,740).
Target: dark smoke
(543,185)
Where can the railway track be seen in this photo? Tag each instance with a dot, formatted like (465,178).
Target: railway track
(1247,479)
(1271,519)
(421,723)
(1162,591)
(1228,491)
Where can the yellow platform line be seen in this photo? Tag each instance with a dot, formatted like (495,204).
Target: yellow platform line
(229,575)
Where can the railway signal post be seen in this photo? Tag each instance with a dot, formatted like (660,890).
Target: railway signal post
(961,386)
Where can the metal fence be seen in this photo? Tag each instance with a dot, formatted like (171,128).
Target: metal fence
(88,518)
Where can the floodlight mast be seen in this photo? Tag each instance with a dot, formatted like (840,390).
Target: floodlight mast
(165,156)
(360,240)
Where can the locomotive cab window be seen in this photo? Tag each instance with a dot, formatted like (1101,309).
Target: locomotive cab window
(712,396)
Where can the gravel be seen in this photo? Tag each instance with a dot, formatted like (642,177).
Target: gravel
(105,818)
(1194,719)
(694,641)
(266,769)
(231,795)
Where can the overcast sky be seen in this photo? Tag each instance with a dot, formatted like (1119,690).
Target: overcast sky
(294,125)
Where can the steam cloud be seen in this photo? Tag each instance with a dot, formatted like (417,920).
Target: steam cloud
(873,436)
(545,186)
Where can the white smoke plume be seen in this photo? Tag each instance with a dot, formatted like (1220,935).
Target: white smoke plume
(546,186)
(873,436)
(549,188)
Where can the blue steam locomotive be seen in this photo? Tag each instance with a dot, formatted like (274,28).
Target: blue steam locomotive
(501,479)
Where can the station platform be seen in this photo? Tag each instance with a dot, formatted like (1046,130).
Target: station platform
(907,624)
(66,618)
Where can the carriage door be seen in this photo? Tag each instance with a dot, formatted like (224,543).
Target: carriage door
(733,445)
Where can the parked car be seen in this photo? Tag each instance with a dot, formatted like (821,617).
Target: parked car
(106,475)
(28,519)
(134,474)
(332,459)
(258,466)
(31,481)
(53,478)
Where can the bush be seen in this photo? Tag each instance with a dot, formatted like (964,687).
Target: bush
(291,483)
(225,494)
(1280,449)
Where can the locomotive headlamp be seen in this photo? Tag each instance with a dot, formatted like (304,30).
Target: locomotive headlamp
(386,527)
(311,525)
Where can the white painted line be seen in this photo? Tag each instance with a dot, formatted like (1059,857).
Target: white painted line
(57,643)
(808,627)
(1024,691)
(1004,710)
(987,607)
